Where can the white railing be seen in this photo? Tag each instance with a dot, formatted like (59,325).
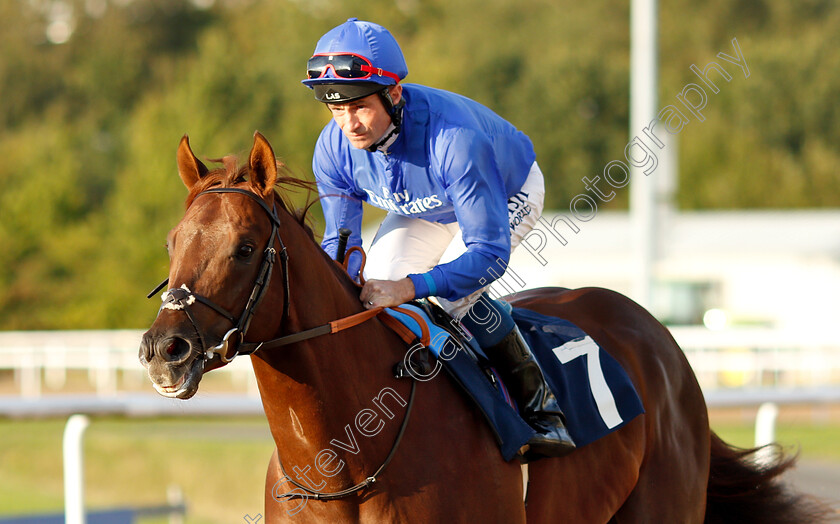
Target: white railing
(42,359)
(730,358)
(761,357)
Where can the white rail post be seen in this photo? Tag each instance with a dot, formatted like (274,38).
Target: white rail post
(175,497)
(643,87)
(74,477)
(765,432)
(29,371)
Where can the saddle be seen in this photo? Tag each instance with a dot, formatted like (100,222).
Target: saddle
(593,390)
(450,336)
(454,351)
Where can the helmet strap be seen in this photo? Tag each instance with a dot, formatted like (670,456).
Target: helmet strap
(385,142)
(396,113)
(394,110)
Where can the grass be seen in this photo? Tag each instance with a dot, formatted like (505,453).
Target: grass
(219,463)
(812,442)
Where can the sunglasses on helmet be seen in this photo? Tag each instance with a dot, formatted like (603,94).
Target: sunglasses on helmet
(345,65)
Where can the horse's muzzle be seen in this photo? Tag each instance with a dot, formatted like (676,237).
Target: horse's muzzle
(174,363)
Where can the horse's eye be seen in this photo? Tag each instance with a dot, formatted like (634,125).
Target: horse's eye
(245,251)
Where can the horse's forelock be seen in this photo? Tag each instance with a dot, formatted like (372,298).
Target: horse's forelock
(229,175)
(232,175)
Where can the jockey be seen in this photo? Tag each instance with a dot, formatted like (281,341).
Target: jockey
(461,187)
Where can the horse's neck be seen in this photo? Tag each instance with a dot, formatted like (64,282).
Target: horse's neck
(313,391)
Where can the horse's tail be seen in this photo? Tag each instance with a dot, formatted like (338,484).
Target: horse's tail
(742,491)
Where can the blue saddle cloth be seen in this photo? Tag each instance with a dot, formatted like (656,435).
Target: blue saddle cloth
(595,393)
(592,388)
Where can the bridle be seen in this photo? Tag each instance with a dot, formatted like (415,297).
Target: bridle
(233,342)
(181,298)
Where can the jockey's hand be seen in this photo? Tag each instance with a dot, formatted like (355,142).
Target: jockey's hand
(387,293)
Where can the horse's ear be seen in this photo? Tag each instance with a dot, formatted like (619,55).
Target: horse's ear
(189,167)
(263,165)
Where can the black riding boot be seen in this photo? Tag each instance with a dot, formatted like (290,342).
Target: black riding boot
(537,404)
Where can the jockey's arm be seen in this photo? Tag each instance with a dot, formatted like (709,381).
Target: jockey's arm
(477,192)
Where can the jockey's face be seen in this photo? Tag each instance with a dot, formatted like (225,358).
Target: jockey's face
(365,120)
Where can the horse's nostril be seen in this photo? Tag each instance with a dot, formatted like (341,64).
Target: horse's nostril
(147,348)
(177,349)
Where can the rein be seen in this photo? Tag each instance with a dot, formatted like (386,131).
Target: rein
(182,298)
(319,495)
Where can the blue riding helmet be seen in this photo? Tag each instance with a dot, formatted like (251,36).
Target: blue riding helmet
(354,60)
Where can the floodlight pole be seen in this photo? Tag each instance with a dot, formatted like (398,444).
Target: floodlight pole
(643,88)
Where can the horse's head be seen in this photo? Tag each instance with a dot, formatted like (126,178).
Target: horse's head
(221,255)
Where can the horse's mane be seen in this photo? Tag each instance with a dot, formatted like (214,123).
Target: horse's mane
(232,175)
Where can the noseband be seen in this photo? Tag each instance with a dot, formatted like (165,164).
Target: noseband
(232,343)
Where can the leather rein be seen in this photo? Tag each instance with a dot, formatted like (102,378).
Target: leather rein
(233,343)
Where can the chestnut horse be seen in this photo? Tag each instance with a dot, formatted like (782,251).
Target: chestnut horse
(339,417)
